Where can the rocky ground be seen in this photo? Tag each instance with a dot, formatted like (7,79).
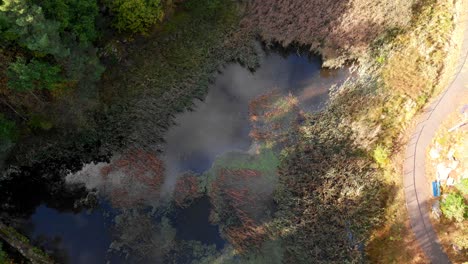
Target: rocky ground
(448,164)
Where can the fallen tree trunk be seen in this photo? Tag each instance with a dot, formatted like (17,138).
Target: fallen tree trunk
(23,245)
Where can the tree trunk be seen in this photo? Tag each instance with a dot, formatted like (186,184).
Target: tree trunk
(23,246)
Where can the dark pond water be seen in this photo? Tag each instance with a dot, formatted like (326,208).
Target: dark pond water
(82,237)
(219,124)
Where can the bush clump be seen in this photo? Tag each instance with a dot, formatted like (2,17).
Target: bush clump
(454,207)
(381,155)
(136,16)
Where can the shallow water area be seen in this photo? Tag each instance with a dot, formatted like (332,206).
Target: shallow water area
(134,220)
(221,123)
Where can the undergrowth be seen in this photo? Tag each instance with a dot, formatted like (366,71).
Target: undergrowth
(342,189)
(197,42)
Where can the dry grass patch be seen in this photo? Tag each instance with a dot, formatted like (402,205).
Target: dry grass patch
(418,57)
(338,29)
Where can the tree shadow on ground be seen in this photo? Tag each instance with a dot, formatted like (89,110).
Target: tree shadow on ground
(332,195)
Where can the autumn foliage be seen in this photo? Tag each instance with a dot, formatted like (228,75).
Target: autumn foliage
(240,206)
(186,190)
(332,27)
(272,115)
(133,178)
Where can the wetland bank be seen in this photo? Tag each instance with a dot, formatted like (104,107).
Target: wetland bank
(198,145)
(151,195)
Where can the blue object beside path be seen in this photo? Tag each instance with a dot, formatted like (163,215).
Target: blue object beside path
(436,188)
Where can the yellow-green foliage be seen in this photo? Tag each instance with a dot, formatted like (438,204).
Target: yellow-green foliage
(454,207)
(405,74)
(461,239)
(418,56)
(463,186)
(381,155)
(136,16)
(266,162)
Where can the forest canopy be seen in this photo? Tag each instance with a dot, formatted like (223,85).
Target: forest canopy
(46,36)
(47,46)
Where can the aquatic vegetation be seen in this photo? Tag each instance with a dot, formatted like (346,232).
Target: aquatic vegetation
(266,161)
(140,238)
(193,252)
(273,117)
(241,185)
(417,57)
(187,189)
(142,98)
(132,179)
(241,204)
(312,187)
(139,176)
(326,196)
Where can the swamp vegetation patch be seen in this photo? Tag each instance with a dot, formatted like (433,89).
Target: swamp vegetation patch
(317,186)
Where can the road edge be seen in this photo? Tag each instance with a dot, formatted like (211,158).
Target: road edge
(416,185)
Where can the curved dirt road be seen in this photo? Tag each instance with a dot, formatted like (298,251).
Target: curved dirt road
(417,188)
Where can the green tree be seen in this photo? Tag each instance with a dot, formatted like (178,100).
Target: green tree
(30,29)
(5,24)
(24,76)
(136,15)
(77,17)
(454,207)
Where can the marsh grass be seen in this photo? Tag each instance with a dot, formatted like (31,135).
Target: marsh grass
(338,30)
(372,111)
(184,55)
(417,58)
